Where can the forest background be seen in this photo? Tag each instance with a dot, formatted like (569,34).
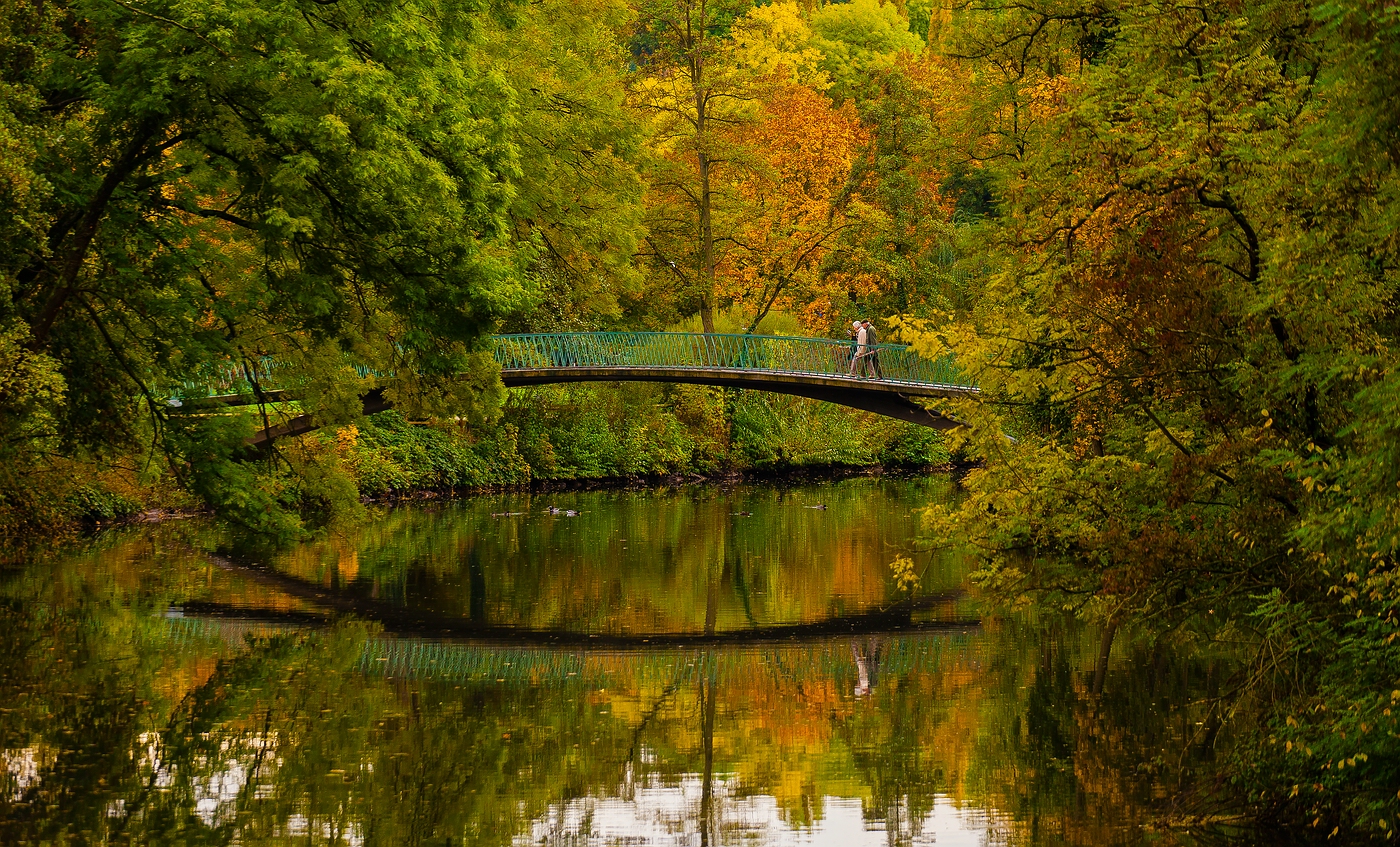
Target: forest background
(1162,236)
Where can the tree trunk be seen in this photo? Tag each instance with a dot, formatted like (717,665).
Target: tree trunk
(707,247)
(1105,650)
(86,230)
(707,743)
(707,235)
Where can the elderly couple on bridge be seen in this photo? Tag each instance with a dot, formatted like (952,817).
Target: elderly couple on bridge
(865,355)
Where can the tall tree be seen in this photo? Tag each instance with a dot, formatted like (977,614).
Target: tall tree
(324,183)
(695,99)
(1193,333)
(906,258)
(578,195)
(794,205)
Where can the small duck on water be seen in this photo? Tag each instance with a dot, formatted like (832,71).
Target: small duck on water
(821,506)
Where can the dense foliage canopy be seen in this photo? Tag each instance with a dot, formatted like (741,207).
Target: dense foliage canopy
(1164,237)
(1189,322)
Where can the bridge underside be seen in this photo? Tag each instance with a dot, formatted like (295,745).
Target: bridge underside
(891,399)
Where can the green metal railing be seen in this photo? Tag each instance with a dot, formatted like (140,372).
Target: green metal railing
(692,351)
(236,379)
(721,352)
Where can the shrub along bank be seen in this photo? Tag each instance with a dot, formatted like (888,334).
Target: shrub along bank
(550,433)
(590,432)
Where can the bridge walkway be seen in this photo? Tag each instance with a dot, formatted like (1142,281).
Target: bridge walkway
(886,379)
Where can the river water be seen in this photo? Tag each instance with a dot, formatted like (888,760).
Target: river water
(688,666)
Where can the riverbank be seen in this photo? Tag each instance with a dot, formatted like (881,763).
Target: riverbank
(788,476)
(550,438)
(778,477)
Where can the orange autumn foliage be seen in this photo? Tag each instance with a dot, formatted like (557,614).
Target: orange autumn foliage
(794,202)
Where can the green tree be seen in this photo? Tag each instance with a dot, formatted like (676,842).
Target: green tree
(328,184)
(696,94)
(908,257)
(1191,331)
(858,39)
(578,196)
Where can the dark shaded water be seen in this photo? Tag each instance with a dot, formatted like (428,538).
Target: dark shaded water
(700,666)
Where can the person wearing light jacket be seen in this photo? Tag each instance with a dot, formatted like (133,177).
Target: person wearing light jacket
(858,352)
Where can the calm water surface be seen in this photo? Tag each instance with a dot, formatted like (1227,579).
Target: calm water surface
(695,666)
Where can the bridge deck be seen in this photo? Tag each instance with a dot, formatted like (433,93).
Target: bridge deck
(677,356)
(883,378)
(763,360)
(764,380)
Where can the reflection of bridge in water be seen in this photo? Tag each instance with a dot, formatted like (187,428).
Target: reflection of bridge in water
(405,620)
(926,647)
(887,379)
(417,642)
(898,618)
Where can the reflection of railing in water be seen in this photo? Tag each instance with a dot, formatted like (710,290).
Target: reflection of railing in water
(903,651)
(919,650)
(454,645)
(403,621)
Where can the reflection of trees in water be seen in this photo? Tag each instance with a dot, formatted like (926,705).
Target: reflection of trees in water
(632,561)
(707,747)
(135,728)
(411,620)
(292,735)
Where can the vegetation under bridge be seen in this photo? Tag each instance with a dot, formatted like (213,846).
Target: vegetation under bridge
(887,379)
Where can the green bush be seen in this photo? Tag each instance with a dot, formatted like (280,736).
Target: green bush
(774,431)
(571,432)
(911,445)
(389,455)
(593,431)
(92,502)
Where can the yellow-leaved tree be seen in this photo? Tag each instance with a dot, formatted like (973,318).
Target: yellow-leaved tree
(695,97)
(793,205)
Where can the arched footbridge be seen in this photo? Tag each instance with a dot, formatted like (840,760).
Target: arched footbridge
(889,379)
